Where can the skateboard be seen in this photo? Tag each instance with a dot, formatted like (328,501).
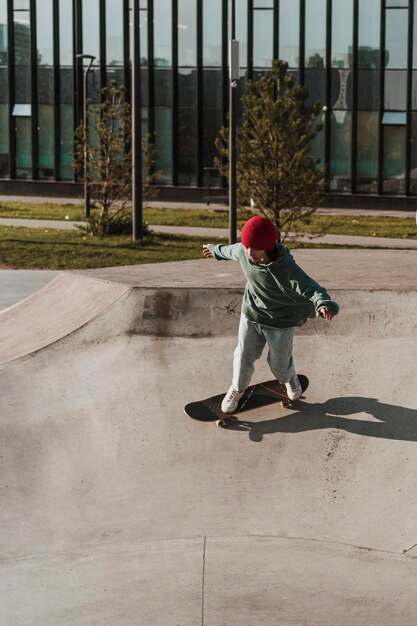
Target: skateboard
(255,397)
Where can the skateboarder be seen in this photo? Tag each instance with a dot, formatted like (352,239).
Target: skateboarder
(278,296)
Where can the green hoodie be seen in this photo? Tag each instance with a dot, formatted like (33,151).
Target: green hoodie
(278,294)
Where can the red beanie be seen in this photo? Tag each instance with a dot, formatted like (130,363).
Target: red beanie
(259,233)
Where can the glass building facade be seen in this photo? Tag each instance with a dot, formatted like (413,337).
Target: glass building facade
(358,57)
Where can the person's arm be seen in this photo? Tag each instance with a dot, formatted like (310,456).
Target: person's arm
(309,288)
(222,252)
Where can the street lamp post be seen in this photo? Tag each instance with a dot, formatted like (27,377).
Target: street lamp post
(233,79)
(137,200)
(85,122)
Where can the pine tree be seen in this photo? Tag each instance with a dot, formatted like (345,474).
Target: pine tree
(274,165)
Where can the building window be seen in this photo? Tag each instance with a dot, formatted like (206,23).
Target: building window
(187,92)
(144,59)
(212,81)
(66,141)
(44,32)
(163,89)
(23,85)
(66,82)
(367,139)
(46,109)
(403,4)
(342,34)
(263,32)
(395,90)
(38,92)
(114,33)
(289,32)
(368,95)
(4,97)
(91,29)
(369,33)
(162,33)
(242,31)
(341,139)
(315,33)
(395,97)
(23,133)
(46,141)
(213,115)
(394,160)
(413,172)
(396,38)
(317,145)
(415,39)
(163,123)
(187,33)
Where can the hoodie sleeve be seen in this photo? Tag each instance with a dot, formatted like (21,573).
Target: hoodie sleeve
(304,285)
(221,252)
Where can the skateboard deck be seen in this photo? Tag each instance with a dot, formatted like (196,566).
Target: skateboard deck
(255,397)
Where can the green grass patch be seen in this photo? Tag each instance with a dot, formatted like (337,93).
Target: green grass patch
(70,212)
(361,225)
(35,211)
(34,248)
(39,248)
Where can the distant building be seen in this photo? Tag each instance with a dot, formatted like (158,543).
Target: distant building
(358,57)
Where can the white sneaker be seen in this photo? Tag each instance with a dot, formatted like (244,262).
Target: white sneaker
(231,400)
(293,388)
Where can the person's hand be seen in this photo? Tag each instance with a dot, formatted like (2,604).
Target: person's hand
(325,312)
(206,251)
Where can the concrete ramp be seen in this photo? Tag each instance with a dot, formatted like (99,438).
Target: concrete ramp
(65,304)
(116,509)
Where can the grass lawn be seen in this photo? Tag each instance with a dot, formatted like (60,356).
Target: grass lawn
(361,225)
(34,248)
(366,226)
(40,248)
(70,212)
(35,211)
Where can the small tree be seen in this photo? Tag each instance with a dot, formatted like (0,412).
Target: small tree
(109,161)
(274,167)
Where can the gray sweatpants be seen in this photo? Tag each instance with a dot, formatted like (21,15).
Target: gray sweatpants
(251,342)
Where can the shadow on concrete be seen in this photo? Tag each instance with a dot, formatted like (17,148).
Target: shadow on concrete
(393,422)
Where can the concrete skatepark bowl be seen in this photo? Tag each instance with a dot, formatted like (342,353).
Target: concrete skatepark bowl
(116,509)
